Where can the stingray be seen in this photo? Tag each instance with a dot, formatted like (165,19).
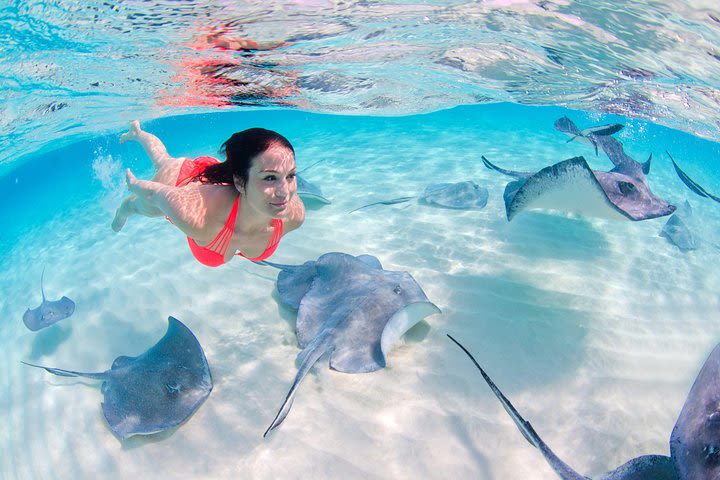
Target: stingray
(694,441)
(691,184)
(621,193)
(350,309)
(676,230)
(612,148)
(588,135)
(156,390)
(460,196)
(49,311)
(307,190)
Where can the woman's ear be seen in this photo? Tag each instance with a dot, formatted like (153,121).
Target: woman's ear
(238,184)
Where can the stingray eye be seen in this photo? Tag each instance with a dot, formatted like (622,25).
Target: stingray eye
(713,420)
(712,455)
(397,289)
(626,188)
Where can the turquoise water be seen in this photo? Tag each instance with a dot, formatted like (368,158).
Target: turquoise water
(595,329)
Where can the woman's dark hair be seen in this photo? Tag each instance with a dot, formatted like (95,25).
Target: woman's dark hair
(240,149)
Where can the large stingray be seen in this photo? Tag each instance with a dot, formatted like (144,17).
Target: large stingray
(694,442)
(570,185)
(49,311)
(156,390)
(460,196)
(692,184)
(349,308)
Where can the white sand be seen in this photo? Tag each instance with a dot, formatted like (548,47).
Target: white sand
(594,329)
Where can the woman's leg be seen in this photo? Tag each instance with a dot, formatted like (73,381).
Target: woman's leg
(133,205)
(184,206)
(153,146)
(166,167)
(166,172)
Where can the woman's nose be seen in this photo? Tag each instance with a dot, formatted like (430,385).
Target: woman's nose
(283,189)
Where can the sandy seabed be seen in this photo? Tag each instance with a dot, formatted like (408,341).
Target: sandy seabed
(594,329)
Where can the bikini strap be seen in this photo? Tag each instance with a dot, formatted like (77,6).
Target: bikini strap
(272,243)
(221,242)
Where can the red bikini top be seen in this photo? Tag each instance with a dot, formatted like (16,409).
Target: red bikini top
(213,254)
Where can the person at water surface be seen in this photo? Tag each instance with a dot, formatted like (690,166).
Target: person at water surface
(242,206)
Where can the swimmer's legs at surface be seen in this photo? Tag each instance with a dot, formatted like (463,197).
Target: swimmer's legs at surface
(166,172)
(153,146)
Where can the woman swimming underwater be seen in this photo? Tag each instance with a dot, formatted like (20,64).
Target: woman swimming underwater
(244,204)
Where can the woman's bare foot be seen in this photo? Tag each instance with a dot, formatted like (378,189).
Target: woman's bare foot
(133,133)
(143,189)
(130,179)
(122,214)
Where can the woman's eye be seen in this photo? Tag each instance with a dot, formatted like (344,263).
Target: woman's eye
(270,178)
(292,176)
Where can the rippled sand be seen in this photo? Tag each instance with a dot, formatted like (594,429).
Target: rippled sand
(594,329)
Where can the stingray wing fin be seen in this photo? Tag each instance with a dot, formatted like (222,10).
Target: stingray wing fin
(569,185)
(695,439)
(645,467)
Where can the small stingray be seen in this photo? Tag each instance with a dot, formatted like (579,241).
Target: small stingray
(460,196)
(694,442)
(691,184)
(676,230)
(589,135)
(49,311)
(349,308)
(612,148)
(621,193)
(309,190)
(156,390)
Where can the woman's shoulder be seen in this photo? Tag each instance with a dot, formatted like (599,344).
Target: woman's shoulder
(297,215)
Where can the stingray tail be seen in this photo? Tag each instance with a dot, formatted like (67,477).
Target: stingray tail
(68,373)
(392,201)
(690,183)
(279,266)
(308,357)
(42,277)
(311,166)
(562,469)
(524,426)
(509,173)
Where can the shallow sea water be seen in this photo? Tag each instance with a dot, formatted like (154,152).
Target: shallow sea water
(594,329)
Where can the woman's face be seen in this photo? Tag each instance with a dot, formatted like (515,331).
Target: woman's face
(271,182)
